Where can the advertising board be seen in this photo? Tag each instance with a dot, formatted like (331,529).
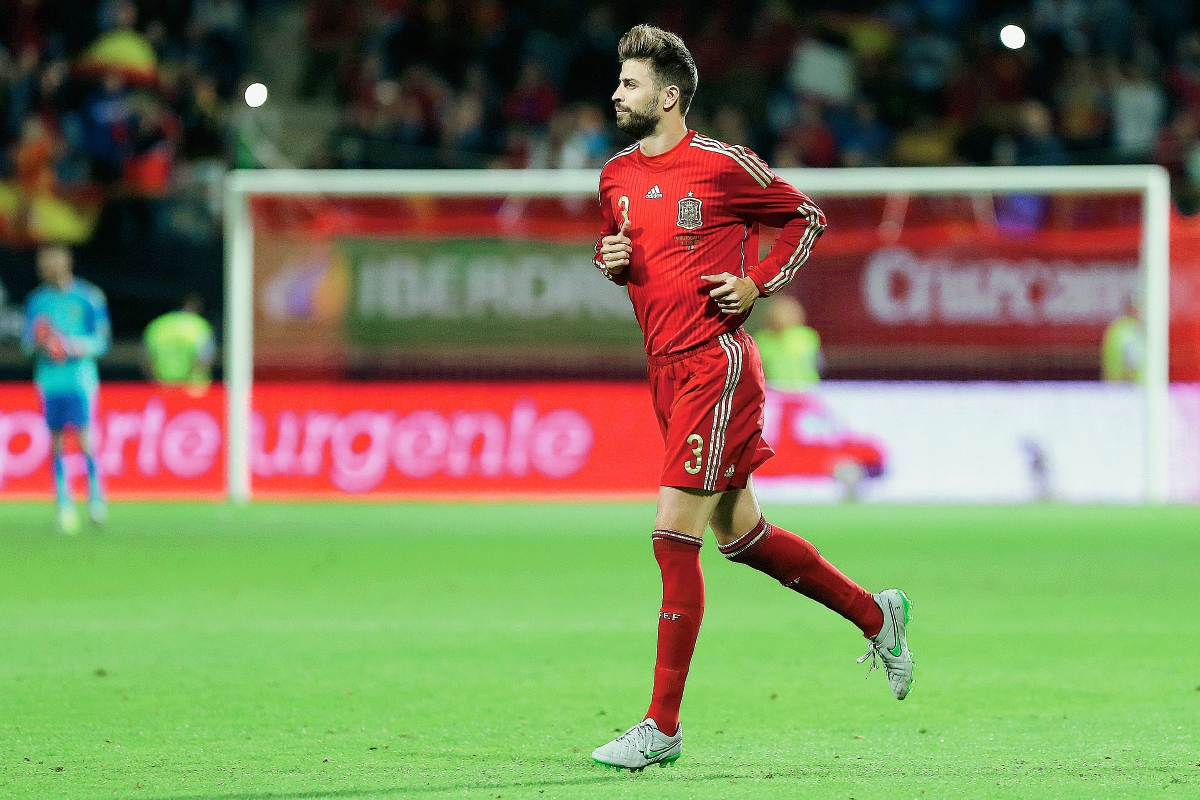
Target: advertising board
(148,442)
(874,442)
(356,440)
(952,287)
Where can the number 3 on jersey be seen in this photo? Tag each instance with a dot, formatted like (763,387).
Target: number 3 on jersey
(623,204)
(696,442)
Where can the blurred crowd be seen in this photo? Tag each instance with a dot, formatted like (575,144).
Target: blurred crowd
(106,98)
(118,98)
(907,82)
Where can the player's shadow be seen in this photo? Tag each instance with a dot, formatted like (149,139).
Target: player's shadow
(583,780)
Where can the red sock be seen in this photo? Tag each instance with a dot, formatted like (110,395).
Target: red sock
(797,565)
(678,557)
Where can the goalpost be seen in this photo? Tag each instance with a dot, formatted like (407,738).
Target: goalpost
(1149,181)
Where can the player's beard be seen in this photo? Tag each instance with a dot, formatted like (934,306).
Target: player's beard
(639,124)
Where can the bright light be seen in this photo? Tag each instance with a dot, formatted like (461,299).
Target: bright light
(1012,37)
(256,94)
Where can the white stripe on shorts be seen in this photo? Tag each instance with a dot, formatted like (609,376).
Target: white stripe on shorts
(723,409)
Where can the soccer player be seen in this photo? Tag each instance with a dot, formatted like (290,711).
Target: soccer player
(1123,348)
(66,330)
(789,349)
(678,209)
(181,347)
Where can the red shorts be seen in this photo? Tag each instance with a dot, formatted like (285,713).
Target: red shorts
(709,403)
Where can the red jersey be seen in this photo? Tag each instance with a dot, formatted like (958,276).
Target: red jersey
(694,210)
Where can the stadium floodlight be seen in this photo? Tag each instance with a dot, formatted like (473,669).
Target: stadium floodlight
(1012,37)
(1149,181)
(256,95)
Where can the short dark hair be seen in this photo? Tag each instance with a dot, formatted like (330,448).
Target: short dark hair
(193,302)
(670,62)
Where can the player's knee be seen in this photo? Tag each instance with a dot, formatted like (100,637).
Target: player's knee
(723,531)
(737,545)
(732,523)
(722,524)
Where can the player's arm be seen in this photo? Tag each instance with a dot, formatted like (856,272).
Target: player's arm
(29,343)
(801,223)
(207,352)
(613,249)
(757,195)
(149,346)
(96,342)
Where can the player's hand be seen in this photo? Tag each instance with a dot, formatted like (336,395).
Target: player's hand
(615,251)
(42,331)
(72,347)
(734,295)
(51,342)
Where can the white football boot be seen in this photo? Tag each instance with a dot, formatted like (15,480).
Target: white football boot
(890,645)
(66,520)
(98,510)
(639,747)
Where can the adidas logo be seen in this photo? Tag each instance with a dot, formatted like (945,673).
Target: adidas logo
(655,193)
(729,472)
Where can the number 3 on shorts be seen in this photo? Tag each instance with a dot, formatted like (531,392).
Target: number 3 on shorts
(696,442)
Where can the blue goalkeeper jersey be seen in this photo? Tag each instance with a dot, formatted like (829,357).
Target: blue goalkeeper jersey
(79,314)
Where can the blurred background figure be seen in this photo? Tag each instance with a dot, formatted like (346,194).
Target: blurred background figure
(1038,464)
(791,351)
(1123,349)
(588,145)
(66,330)
(180,347)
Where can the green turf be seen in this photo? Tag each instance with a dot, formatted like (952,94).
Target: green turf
(198,651)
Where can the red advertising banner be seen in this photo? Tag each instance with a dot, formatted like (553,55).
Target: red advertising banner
(895,283)
(149,442)
(931,287)
(454,439)
(344,440)
(896,442)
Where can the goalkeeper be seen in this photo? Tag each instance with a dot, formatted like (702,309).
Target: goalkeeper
(181,347)
(66,330)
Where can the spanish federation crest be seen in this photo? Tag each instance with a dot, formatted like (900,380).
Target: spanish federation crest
(689,212)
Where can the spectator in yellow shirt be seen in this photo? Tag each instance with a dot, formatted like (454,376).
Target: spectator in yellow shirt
(790,350)
(1123,349)
(181,347)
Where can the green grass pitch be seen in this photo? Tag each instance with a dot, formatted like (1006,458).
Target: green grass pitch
(437,651)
